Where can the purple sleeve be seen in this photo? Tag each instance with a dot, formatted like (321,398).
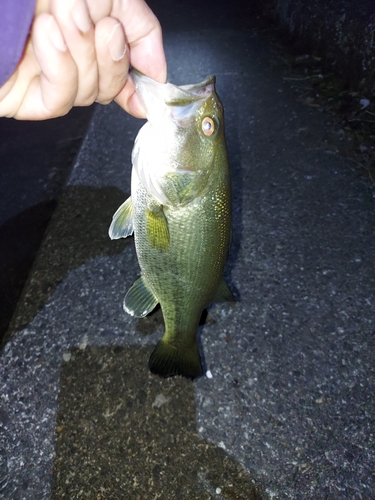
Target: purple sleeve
(15,21)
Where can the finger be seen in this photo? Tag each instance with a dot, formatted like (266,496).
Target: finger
(41,6)
(129,100)
(78,31)
(53,91)
(147,55)
(112,58)
(13,92)
(99,10)
(8,86)
(144,37)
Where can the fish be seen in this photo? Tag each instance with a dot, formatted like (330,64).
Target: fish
(180,213)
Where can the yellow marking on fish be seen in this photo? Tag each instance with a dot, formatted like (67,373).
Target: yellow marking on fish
(157,229)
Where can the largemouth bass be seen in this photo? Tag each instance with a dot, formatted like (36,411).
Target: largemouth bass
(180,213)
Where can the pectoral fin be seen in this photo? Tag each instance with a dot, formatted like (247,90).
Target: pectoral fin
(157,228)
(139,301)
(122,221)
(223,293)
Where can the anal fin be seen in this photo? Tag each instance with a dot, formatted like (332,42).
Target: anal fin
(223,294)
(139,301)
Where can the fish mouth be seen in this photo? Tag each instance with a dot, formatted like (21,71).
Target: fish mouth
(177,103)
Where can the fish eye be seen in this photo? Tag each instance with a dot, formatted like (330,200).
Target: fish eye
(208,126)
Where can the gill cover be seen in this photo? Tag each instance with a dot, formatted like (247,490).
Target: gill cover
(173,153)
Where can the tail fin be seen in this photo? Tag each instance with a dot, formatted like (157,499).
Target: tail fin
(168,360)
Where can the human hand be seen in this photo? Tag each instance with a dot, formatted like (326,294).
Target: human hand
(79,52)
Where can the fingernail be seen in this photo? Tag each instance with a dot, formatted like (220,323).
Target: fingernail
(116,43)
(56,36)
(81,16)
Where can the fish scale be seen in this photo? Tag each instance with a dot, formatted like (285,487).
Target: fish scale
(175,277)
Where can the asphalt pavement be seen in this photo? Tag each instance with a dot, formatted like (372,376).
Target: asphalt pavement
(289,410)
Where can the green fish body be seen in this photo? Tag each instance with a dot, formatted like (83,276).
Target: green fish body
(180,213)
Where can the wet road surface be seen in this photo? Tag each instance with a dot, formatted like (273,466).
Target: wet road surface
(288,412)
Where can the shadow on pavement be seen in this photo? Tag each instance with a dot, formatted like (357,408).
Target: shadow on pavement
(20,239)
(35,161)
(77,234)
(124,433)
